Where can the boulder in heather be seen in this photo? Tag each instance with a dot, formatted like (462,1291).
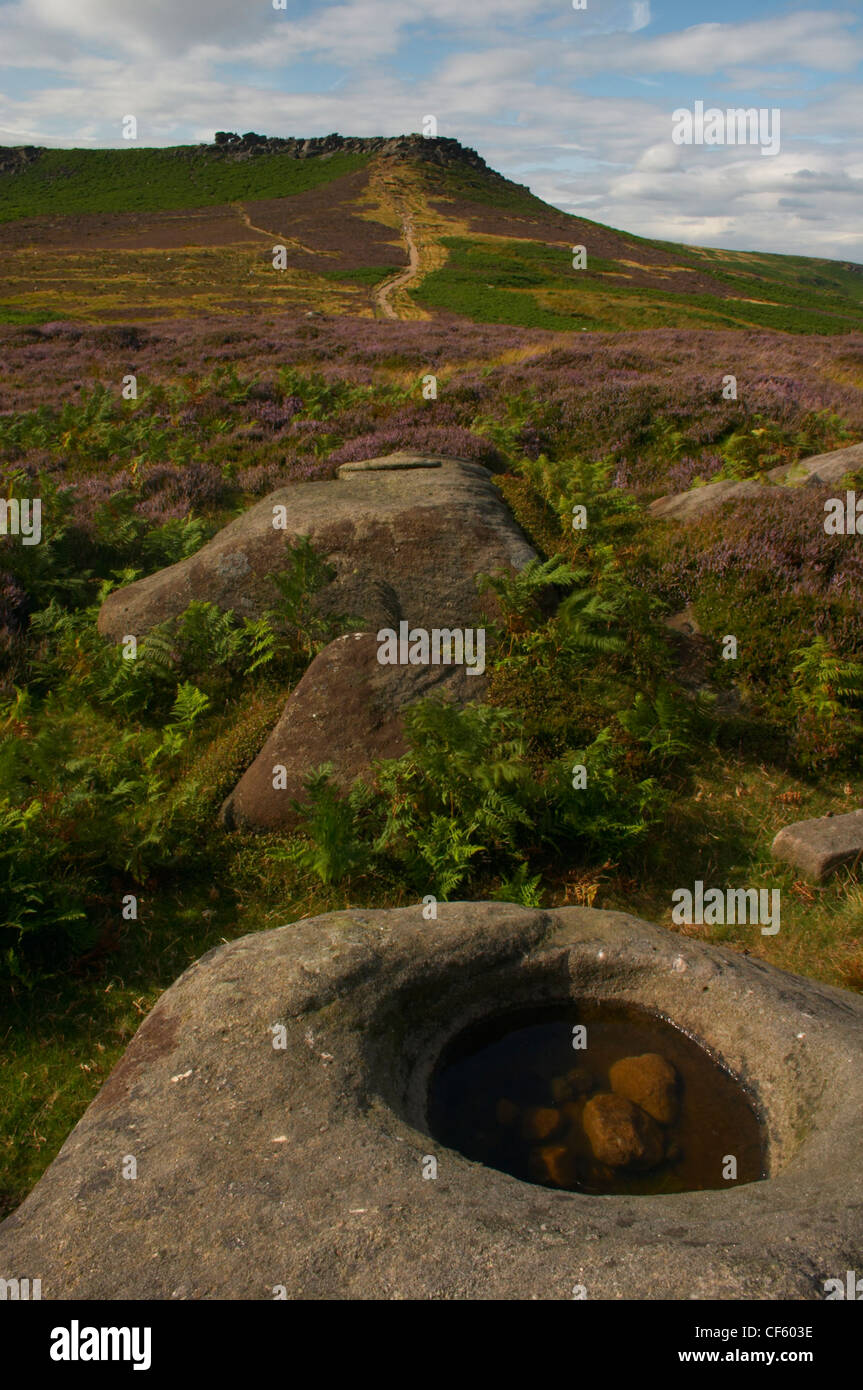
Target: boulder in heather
(406,535)
(692,505)
(346,711)
(821,470)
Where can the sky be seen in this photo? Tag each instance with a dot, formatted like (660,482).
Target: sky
(576,103)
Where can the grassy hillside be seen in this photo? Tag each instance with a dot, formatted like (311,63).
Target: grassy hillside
(515,266)
(142,180)
(139,234)
(532,284)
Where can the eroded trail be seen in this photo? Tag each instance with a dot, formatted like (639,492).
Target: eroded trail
(276,236)
(382,292)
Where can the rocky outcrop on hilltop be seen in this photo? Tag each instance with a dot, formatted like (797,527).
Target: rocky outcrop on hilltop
(15,158)
(438,150)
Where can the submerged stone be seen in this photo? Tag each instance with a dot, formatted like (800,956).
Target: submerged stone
(650,1082)
(620,1133)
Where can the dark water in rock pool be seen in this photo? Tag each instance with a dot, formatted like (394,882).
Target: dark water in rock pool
(513,1093)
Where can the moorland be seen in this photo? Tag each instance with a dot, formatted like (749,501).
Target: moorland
(600,387)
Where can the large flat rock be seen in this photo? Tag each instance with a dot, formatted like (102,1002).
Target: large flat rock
(347,711)
(303,1167)
(407,536)
(821,846)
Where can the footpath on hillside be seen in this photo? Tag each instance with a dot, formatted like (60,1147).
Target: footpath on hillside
(382,292)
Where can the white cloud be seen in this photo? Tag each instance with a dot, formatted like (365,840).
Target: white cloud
(812,39)
(662,156)
(140,26)
(329,30)
(505,78)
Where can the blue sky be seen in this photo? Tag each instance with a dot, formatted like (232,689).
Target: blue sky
(576,103)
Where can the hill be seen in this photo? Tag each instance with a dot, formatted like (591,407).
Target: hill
(406,227)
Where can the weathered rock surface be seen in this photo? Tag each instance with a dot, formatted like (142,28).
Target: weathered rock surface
(406,535)
(620,1133)
(821,470)
(346,710)
(821,846)
(434,150)
(650,1082)
(388,463)
(692,505)
(302,1166)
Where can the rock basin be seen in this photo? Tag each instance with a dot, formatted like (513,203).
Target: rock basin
(307,1165)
